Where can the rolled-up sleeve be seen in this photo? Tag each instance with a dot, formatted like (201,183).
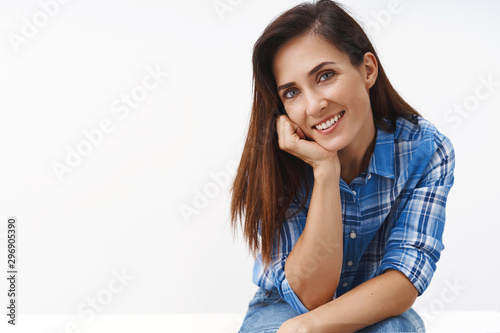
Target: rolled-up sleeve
(415,242)
(274,276)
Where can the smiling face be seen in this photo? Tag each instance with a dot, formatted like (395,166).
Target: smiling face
(326,96)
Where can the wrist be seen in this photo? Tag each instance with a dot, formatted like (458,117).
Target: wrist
(326,172)
(307,323)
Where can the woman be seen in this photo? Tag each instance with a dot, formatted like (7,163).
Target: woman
(354,253)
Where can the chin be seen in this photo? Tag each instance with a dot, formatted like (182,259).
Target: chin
(331,146)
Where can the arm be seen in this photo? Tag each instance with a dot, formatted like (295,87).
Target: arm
(292,230)
(314,265)
(409,261)
(387,295)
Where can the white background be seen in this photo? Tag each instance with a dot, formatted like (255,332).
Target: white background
(120,207)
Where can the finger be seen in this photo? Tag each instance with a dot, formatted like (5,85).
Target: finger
(284,127)
(300,133)
(285,132)
(296,130)
(289,127)
(279,126)
(279,129)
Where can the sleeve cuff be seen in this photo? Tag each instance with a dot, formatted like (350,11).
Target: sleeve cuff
(286,292)
(413,264)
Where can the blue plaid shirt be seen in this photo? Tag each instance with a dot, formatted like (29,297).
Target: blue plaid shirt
(393,213)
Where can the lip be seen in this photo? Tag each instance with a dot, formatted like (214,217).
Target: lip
(331,128)
(330,116)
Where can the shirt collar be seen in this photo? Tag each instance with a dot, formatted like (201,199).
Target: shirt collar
(382,161)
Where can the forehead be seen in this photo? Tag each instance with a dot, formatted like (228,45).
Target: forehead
(301,54)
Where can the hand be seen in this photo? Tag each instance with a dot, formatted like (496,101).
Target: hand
(292,139)
(293,325)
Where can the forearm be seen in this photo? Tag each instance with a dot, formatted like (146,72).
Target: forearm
(314,265)
(387,295)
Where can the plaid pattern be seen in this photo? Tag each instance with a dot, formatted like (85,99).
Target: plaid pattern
(393,213)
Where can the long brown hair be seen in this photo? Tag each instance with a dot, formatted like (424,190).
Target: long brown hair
(268,179)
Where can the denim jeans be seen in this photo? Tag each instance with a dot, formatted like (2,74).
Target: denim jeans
(267,311)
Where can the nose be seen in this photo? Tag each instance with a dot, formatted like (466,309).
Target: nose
(315,103)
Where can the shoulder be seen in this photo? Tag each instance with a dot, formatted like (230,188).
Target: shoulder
(420,148)
(420,131)
(416,128)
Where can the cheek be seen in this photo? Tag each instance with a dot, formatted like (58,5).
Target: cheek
(344,91)
(353,96)
(300,120)
(294,113)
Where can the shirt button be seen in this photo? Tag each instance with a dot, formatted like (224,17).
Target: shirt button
(369,176)
(354,192)
(350,263)
(352,234)
(344,284)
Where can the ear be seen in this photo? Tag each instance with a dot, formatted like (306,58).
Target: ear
(370,67)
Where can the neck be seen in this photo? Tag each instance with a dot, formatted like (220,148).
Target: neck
(355,158)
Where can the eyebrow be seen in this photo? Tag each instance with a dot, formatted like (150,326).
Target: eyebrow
(311,72)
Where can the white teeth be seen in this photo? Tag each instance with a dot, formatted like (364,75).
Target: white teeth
(329,122)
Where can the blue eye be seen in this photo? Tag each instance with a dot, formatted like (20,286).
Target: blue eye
(326,75)
(288,95)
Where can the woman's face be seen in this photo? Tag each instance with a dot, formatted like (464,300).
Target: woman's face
(317,84)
